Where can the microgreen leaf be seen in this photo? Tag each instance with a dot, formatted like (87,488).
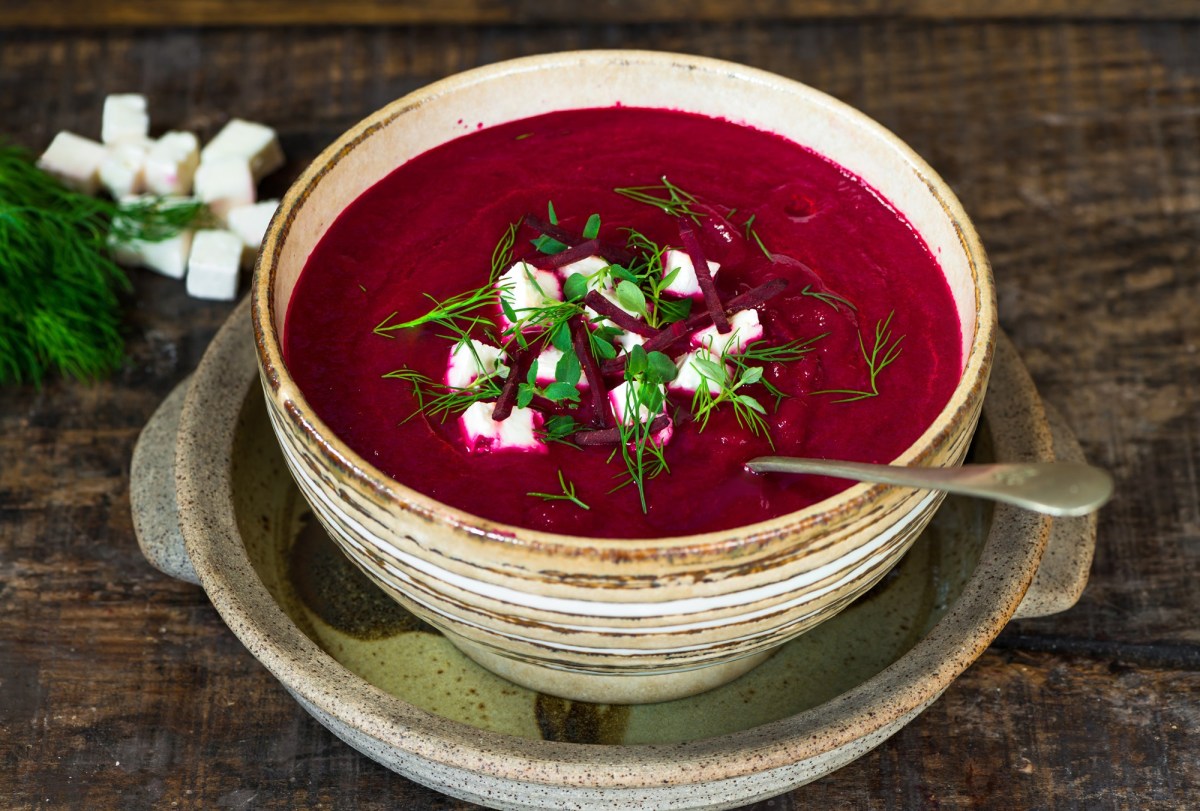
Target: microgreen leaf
(568,369)
(591,228)
(557,392)
(660,367)
(631,297)
(575,287)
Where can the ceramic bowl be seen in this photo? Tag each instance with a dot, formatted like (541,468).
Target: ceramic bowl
(615,620)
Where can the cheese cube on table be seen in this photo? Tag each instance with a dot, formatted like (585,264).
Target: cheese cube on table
(123,170)
(256,144)
(225,184)
(744,329)
(171,163)
(75,161)
(689,376)
(467,363)
(124,118)
(685,282)
(214,264)
(250,224)
(168,256)
(516,433)
(524,288)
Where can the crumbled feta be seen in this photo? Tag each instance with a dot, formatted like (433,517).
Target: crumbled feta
(517,432)
(256,144)
(546,363)
(589,266)
(213,265)
(250,224)
(74,160)
(689,377)
(685,282)
(225,184)
(619,396)
(171,163)
(745,329)
(124,118)
(466,366)
(525,288)
(168,256)
(628,340)
(122,171)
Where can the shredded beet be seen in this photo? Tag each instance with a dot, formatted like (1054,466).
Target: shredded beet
(667,336)
(573,254)
(612,253)
(615,314)
(691,244)
(612,436)
(521,360)
(599,392)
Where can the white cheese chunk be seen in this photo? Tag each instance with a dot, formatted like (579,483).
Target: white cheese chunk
(256,144)
(213,265)
(124,118)
(122,171)
(525,288)
(685,282)
(171,163)
(628,340)
(168,256)
(225,185)
(689,376)
(250,224)
(465,366)
(74,160)
(619,398)
(546,363)
(517,432)
(589,266)
(745,329)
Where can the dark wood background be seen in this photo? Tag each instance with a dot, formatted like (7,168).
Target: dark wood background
(1071,132)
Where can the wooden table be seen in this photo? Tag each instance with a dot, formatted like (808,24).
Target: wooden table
(1073,138)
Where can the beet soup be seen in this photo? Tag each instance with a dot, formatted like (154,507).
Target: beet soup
(648,298)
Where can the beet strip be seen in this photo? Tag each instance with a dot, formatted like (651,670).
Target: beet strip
(612,253)
(572,254)
(618,316)
(591,370)
(612,436)
(691,244)
(673,332)
(522,359)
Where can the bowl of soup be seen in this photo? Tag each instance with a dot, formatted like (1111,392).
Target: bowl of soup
(520,331)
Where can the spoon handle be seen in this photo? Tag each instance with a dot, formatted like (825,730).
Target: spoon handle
(1054,488)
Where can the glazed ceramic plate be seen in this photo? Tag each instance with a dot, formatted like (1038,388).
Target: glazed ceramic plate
(313,619)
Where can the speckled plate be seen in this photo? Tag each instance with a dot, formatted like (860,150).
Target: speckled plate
(207,474)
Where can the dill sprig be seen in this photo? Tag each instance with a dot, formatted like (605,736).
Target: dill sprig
(646,376)
(882,354)
(442,400)
(60,308)
(567,494)
(832,299)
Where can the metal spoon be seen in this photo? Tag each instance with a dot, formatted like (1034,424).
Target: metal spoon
(1054,488)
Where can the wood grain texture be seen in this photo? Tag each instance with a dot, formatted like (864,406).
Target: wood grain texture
(76,13)
(1074,145)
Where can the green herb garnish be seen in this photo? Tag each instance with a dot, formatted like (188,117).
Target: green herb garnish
(567,494)
(881,355)
(60,309)
(832,299)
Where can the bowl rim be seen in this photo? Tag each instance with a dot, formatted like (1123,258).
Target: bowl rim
(752,538)
(1007,564)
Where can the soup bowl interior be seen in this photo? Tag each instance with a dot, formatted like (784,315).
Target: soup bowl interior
(600,618)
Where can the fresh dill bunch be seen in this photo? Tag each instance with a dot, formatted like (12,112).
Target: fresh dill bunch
(60,309)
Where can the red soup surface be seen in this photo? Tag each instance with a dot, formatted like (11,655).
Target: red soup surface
(873,345)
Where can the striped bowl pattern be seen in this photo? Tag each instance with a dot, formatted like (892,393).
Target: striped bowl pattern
(604,619)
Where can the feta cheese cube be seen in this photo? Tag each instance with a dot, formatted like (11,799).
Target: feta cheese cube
(691,376)
(626,394)
(168,256)
(171,163)
(250,224)
(525,288)
(745,329)
(546,366)
(122,171)
(465,365)
(74,160)
(685,282)
(213,265)
(628,340)
(589,266)
(256,144)
(518,432)
(225,184)
(124,118)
